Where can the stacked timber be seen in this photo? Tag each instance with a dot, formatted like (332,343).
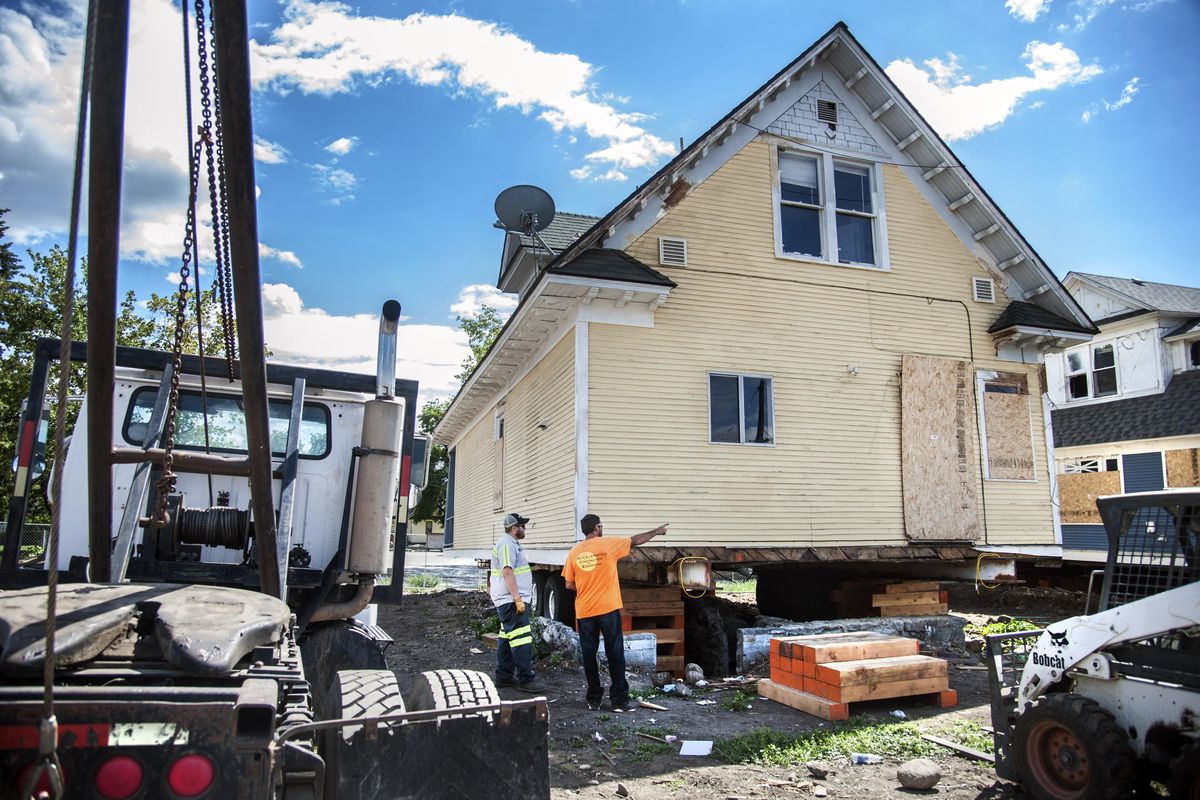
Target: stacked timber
(852,598)
(822,675)
(658,610)
(911,599)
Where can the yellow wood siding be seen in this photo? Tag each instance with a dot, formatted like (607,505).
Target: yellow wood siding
(833,476)
(539,463)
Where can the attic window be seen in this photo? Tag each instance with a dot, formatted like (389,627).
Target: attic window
(984,290)
(827,113)
(672,252)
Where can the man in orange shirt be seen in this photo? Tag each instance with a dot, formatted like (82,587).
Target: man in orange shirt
(591,571)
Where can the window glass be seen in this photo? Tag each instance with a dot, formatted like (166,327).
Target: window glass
(801,230)
(1194,349)
(855,236)
(1077,386)
(1104,378)
(723,408)
(798,180)
(227,423)
(852,186)
(1074,361)
(756,394)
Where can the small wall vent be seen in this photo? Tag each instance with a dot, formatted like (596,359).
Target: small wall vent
(672,252)
(827,112)
(984,290)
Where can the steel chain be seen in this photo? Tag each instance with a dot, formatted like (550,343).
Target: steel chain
(224,269)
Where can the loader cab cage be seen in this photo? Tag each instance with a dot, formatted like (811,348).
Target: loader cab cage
(1154,544)
(47,351)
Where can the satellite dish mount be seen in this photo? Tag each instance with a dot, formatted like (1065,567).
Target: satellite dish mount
(525,209)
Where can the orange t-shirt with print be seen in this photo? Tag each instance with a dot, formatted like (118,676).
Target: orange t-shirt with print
(592,565)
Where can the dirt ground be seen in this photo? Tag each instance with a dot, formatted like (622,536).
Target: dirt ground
(598,754)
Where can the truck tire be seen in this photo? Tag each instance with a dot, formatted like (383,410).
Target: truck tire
(355,693)
(441,689)
(539,592)
(330,648)
(1067,747)
(560,602)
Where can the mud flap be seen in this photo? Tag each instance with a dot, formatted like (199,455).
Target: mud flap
(490,756)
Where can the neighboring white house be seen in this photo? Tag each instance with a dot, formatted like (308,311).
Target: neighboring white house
(1127,404)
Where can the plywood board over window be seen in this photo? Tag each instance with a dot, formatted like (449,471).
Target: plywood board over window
(1077,495)
(938,465)
(1009,442)
(1183,468)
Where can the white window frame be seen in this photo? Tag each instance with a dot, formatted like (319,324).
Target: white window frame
(1089,370)
(1087,465)
(741,407)
(828,228)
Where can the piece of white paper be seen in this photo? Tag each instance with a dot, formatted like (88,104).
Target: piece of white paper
(695,748)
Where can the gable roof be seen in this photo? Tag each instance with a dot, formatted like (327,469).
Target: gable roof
(1165,297)
(975,217)
(1026,315)
(562,231)
(616,265)
(1191,326)
(1173,412)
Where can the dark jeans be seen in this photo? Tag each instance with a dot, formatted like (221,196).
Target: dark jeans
(514,651)
(590,630)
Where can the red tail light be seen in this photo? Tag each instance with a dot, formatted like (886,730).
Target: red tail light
(118,778)
(191,775)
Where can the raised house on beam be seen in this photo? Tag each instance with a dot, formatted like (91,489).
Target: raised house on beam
(811,341)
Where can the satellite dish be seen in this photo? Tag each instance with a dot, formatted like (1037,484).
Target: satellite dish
(525,208)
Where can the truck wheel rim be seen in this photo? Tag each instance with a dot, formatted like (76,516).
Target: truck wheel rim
(1058,761)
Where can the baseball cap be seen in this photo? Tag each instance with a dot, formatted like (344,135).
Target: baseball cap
(515,519)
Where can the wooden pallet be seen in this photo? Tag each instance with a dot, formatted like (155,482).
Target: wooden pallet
(910,599)
(657,610)
(823,674)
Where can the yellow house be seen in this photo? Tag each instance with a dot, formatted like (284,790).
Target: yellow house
(810,339)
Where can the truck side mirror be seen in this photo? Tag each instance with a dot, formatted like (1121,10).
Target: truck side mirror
(419,472)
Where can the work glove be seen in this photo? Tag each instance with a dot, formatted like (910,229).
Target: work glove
(520,606)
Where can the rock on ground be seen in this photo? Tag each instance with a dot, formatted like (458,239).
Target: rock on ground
(920,773)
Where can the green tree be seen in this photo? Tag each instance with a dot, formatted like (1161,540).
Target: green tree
(482,330)
(162,334)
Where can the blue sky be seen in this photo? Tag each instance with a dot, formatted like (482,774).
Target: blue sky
(387,129)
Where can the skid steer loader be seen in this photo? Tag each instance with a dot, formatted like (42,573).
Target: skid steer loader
(200,626)
(1101,705)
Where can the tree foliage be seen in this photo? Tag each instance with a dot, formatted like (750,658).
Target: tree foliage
(482,330)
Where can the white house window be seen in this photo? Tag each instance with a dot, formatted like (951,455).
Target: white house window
(846,230)
(1080,466)
(1091,372)
(1194,352)
(741,409)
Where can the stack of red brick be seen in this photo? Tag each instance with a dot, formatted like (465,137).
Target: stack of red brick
(823,674)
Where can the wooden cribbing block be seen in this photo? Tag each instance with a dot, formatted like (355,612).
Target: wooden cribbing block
(879,670)
(875,691)
(650,608)
(914,611)
(810,704)
(947,698)
(828,647)
(652,594)
(906,599)
(911,586)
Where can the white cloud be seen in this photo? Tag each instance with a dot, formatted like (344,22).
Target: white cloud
(266,152)
(1085,12)
(342,146)
(1127,95)
(960,110)
(472,298)
(337,182)
(1027,10)
(326,48)
(286,256)
(299,334)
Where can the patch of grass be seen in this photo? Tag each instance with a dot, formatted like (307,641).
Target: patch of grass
(748,585)
(967,733)
(739,701)
(900,740)
(422,580)
(1012,626)
(645,749)
(643,694)
(577,743)
(488,624)
(604,717)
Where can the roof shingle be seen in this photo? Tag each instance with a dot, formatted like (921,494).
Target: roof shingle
(610,264)
(1033,316)
(1159,296)
(1174,412)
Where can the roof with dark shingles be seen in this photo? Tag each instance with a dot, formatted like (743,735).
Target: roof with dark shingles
(1174,412)
(1031,316)
(562,231)
(1188,327)
(609,264)
(1159,296)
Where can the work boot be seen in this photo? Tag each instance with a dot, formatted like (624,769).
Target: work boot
(531,686)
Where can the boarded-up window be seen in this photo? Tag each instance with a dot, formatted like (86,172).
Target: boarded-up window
(938,466)
(1009,442)
(1077,495)
(1183,468)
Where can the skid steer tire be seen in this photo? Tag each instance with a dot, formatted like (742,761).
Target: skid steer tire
(1185,774)
(444,689)
(355,693)
(1067,747)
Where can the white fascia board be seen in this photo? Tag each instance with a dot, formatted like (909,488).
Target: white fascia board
(1073,337)
(1111,292)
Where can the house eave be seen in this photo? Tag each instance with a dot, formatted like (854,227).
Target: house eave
(1044,340)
